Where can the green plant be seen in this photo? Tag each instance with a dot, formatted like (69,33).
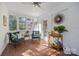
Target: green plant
(60,28)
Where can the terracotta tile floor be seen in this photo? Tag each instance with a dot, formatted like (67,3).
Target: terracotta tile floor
(31,48)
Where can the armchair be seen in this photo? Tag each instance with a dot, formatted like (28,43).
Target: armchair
(14,38)
(35,34)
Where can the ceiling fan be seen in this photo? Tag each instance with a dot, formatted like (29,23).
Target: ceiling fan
(35,4)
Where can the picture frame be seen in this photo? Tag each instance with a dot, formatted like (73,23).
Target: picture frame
(4,20)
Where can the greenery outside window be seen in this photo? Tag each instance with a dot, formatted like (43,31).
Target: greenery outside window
(22,23)
(12,23)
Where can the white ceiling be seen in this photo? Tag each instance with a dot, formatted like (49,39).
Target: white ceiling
(28,9)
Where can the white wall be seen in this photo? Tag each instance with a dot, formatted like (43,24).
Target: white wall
(3,29)
(71,14)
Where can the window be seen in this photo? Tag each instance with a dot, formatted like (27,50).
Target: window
(12,23)
(22,23)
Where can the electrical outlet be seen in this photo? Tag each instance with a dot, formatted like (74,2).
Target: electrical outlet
(67,50)
(74,51)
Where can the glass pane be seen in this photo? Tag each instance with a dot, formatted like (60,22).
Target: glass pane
(22,23)
(12,23)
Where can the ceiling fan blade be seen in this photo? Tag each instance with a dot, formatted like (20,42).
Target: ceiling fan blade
(26,3)
(35,4)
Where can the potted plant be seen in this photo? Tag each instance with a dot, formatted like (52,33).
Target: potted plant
(60,28)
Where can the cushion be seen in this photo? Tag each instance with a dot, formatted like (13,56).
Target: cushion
(19,36)
(35,33)
(14,37)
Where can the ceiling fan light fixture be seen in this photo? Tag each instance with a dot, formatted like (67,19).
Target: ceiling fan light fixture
(36,4)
